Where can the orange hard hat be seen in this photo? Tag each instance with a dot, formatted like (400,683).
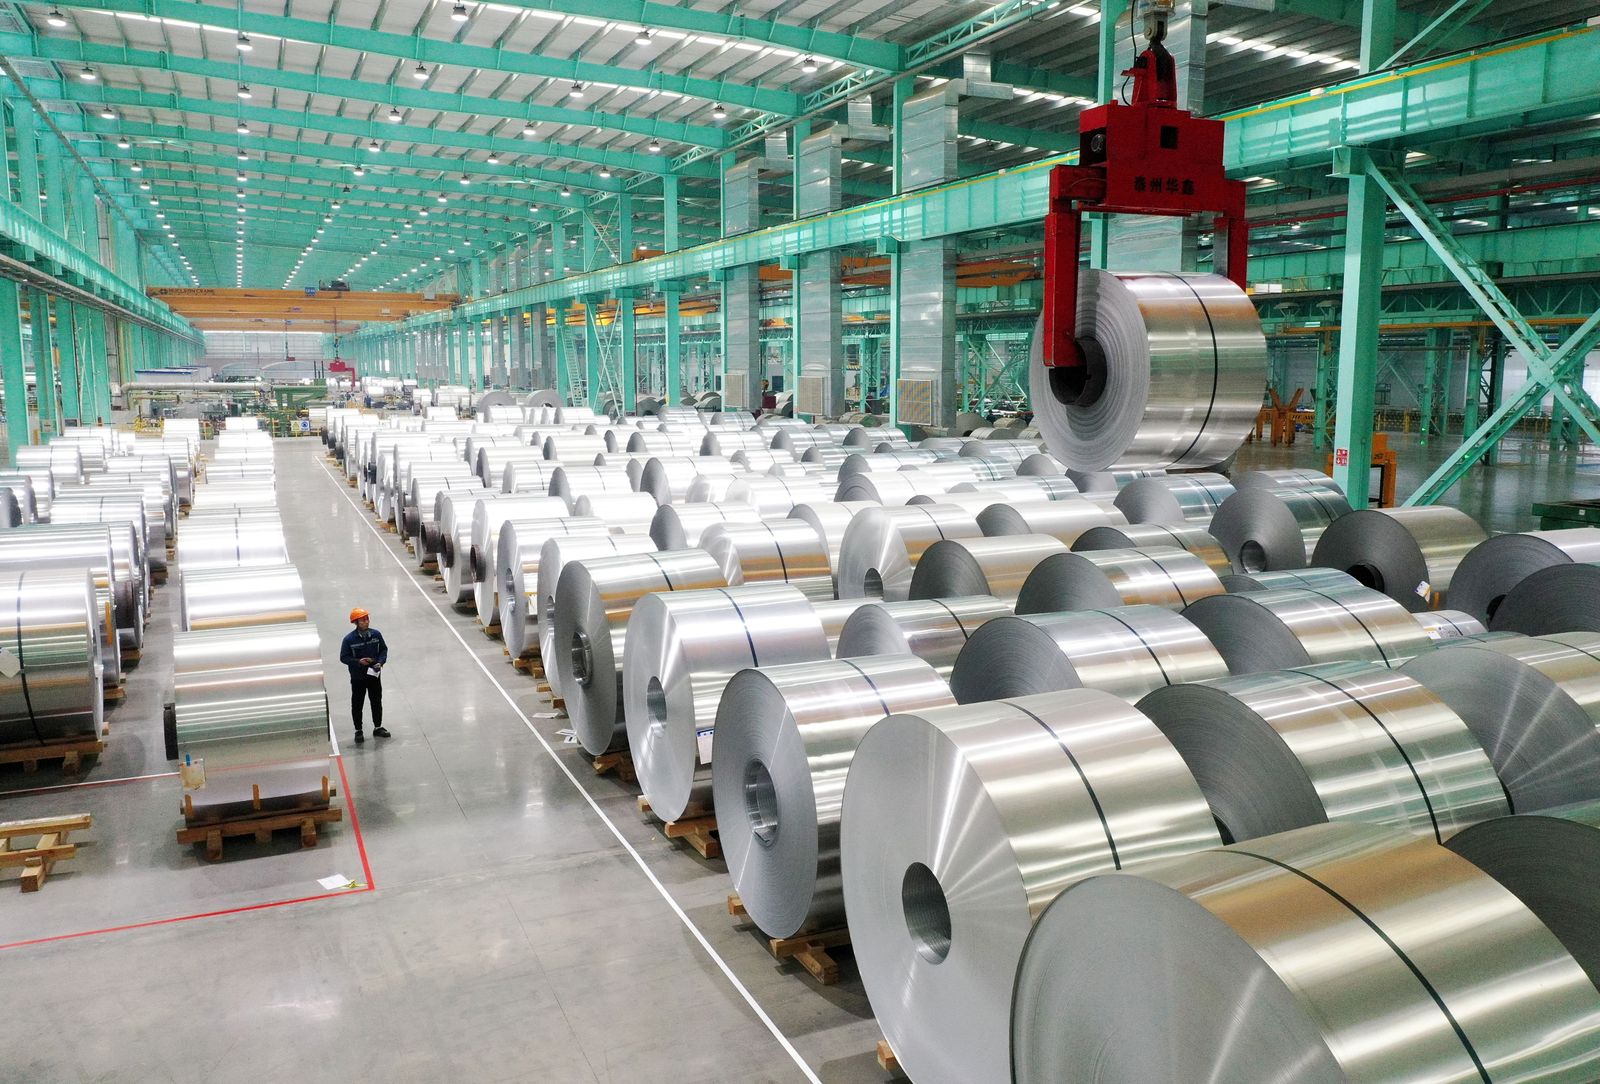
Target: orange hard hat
(357,614)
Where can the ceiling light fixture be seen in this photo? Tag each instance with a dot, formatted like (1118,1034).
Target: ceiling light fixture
(465,179)
(809,65)
(122,142)
(605,174)
(242,156)
(655,146)
(576,91)
(419,73)
(243,43)
(87,74)
(106,113)
(244,91)
(493,159)
(527,128)
(374,147)
(359,172)
(642,37)
(242,128)
(565,191)
(394,116)
(442,199)
(718,113)
(459,14)
(56,19)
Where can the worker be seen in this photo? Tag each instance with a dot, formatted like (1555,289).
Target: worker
(364,652)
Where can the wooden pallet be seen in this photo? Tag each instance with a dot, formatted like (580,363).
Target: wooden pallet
(51,847)
(262,828)
(698,828)
(810,951)
(491,631)
(70,754)
(621,763)
(530,665)
(132,654)
(114,695)
(886,1059)
(158,576)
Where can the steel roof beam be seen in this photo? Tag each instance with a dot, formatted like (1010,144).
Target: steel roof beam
(366,39)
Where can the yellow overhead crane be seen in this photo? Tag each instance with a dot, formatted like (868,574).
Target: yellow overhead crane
(295,310)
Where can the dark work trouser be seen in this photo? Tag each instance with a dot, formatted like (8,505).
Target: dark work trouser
(365,686)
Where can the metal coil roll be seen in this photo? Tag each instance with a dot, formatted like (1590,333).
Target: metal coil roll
(491,463)
(489,520)
(1174,499)
(1561,598)
(1496,565)
(232,541)
(572,415)
(626,512)
(834,614)
(1065,519)
(423,482)
(682,526)
(829,519)
(1043,465)
(758,462)
(1279,630)
(520,548)
(796,441)
(430,538)
(1263,530)
(668,479)
(828,458)
(780,551)
(665,443)
(785,736)
(1410,554)
(78,507)
(876,436)
(26,497)
(1144,536)
(570,483)
(1316,579)
(952,472)
(881,547)
(261,728)
(153,481)
(1161,576)
(1108,481)
(1340,741)
(890,490)
(52,644)
(1126,651)
(1243,959)
(455,541)
(981,566)
(934,630)
(106,552)
(1286,479)
(222,598)
(731,419)
(1449,625)
(803,472)
(1534,705)
(558,552)
(593,602)
(883,462)
(1176,368)
(1007,448)
(959,826)
(1545,859)
(578,447)
(528,476)
(712,488)
(774,498)
(687,646)
(244,494)
(1021,488)
(724,442)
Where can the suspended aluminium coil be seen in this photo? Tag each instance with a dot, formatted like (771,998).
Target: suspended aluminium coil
(1176,368)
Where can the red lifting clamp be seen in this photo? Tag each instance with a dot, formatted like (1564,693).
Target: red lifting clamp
(1145,158)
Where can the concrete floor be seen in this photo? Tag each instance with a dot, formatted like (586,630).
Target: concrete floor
(522,920)
(513,917)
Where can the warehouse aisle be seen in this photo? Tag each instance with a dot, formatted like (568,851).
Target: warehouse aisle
(511,935)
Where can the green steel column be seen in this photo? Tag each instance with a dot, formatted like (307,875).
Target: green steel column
(54,209)
(25,126)
(475,341)
(1435,376)
(630,350)
(1366,209)
(625,249)
(891,359)
(44,367)
(593,383)
(451,372)
(591,242)
(12,370)
(563,376)
(1377,34)
(670,294)
(669,212)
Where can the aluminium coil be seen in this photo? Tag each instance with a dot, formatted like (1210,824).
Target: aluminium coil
(1263,530)
(1335,742)
(577,447)
(489,519)
(517,569)
(712,487)
(682,526)
(961,823)
(667,444)
(1161,576)
(1021,488)
(1043,465)
(829,519)
(890,490)
(569,482)
(1000,444)
(1126,651)
(668,478)
(934,630)
(785,736)
(1279,630)
(593,603)
(1176,368)
(1547,860)
(1494,566)
(1174,499)
(883,462)
(1410,554)
(951,472)
(1561,598)
(627,513)
(779,551)
(881,547)
(830,459)
(255,710)
(981,566)
(1534,705)
(686,647)
(423,480)
(1286,479)
(1331,954)
(1449,625)
(232,541)
(51,656)
(775,498)
(75,506)
(1317,579)
(1143,536)
(492,463)
(1066,518)
(437,497)
(224,598)
(758,462)
(876,436)
(558,552)
(835,613)
(528,476)
(1108,481)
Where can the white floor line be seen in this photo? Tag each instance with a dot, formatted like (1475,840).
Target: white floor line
(722,965)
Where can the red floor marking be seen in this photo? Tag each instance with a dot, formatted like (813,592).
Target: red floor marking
(366,868)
